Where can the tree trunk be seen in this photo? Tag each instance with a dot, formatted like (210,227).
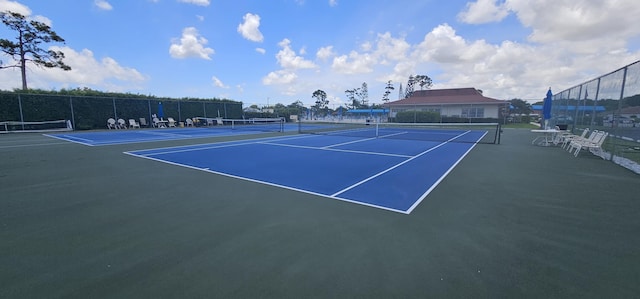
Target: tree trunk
(23,70)
(23,64)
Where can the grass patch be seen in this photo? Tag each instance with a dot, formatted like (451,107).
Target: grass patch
(521,126)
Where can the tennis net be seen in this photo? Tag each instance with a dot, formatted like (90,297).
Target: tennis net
(442,132)
(35,126)
(249,124)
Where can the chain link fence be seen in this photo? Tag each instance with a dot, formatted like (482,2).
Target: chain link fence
(88,113)
(609,103)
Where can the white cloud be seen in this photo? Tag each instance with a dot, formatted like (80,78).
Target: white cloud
(261,50)
(325,53)
(355,63)
(279,77)
(383,51)
(288,58)
(483,11)
(42,19)
(15,6)
(218,83)
(443,45)
(23,10)
(196,2)
(86,70)
(333,3)
(249,29)
(390,48)
(191,44)
(597,21)
(103,5)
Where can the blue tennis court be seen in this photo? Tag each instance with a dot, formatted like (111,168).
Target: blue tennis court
(112,137)
(386,173)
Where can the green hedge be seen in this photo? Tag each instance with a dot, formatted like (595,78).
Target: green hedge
(435,117)
(89,112)
(417,117)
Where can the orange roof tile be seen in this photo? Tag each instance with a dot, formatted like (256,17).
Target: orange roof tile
(451,96)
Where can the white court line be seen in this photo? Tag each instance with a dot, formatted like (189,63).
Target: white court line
(424,195)
(345,143)
(156,133)
(395,166)
(335,150)
(68,140)
(334,196)
(30,145)
(267,183)
(182,148)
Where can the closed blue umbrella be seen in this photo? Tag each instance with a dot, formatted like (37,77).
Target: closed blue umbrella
(546,108)
(160,110)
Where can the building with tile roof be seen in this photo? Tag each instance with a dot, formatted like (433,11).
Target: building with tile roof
(453,102)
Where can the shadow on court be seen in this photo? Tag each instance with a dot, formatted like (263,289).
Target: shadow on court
(511,220)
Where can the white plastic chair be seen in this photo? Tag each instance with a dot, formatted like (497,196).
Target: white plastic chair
(566,139)
(594,142)
(111,124)
(133,124)
(188,122)
(122,124)
(172,122)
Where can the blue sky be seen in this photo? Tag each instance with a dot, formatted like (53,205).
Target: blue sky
(280,51)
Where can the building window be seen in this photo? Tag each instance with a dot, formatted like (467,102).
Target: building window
(473,112)
(429,109)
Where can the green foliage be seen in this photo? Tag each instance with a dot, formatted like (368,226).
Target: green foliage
(91,112)
(417,117)
(424,81)
(321,100)
(358,97)
(387,91)
(520,107)
(26,47)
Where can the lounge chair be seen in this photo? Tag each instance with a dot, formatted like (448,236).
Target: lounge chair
(111,124)
(567,138)
(133,124)
(172,122)
(121,124)
(593,143)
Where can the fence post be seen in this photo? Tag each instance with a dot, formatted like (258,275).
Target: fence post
(73,117)
(204,109)
(149,104)
(21,115)
(115,113)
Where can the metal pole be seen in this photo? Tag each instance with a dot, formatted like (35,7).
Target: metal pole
(595,102)
(21,115)
(149,104)
(73,117)
(204,108)
(115,113)
(179,112)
